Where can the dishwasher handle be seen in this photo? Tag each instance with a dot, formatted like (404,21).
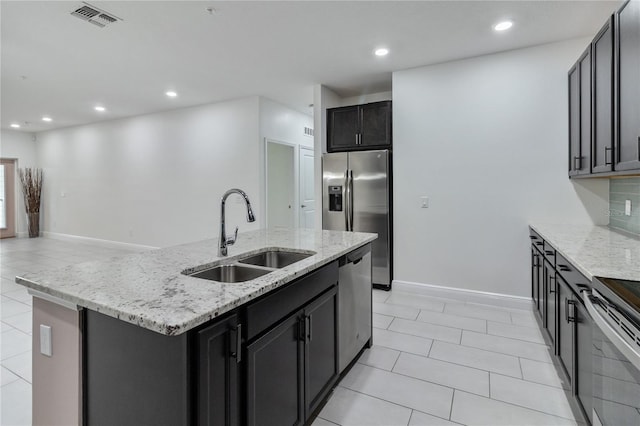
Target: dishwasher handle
(355,256)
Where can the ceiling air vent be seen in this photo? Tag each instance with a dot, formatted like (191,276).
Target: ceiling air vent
(94,15)
(308,131)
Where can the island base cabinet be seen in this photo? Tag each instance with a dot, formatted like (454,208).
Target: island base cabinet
(218,356)
(275,376)
(292,367)
(321,352)
(134,376)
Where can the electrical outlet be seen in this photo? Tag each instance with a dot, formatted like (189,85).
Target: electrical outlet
(627,207)
(45,340)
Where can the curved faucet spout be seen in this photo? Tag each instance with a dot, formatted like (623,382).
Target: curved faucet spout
(224,241)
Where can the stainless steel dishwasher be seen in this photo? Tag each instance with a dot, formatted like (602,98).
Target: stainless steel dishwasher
(354,304)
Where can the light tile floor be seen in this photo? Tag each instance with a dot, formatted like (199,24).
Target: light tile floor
(445,362)
(434,361)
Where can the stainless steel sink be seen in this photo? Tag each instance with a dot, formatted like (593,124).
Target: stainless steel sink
(230,273)
(275,259)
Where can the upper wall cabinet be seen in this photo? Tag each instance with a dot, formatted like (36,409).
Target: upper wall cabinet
(602,60)
(628,87)
(580,116)
(604,100)
(359,127)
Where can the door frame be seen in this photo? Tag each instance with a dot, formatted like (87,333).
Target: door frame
(300,151)
(296,180)
(12,208)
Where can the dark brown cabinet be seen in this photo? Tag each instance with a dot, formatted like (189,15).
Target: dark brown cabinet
(536,266)
(550,289)
(604,100)
(359,127)
(580,116)
(627,154)
(566,332)
(564,321)
(219,353)
(299,359)
(602,60)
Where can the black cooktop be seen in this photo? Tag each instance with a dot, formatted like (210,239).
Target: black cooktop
(627,291)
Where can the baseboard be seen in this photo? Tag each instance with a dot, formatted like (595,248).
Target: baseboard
(95,241)
(464,295)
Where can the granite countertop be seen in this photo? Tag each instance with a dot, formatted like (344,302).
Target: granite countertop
(148,289)
(595,250)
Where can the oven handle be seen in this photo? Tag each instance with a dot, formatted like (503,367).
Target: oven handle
(610,329)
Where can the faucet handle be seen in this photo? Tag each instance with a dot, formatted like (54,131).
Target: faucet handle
(232,240)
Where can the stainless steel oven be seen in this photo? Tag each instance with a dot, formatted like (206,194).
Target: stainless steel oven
(614,306)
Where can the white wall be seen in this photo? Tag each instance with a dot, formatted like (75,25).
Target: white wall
(20,146)
(323,98)
(280,123)
(155,179)
(365,99)
(486,140)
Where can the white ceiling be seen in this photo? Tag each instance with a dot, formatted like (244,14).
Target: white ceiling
(58,65)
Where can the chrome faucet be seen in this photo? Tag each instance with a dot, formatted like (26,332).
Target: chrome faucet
(224,241)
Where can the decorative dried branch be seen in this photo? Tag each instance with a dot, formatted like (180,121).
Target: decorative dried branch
(31,180)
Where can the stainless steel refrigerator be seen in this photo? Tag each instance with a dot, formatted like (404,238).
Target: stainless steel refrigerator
(356,196)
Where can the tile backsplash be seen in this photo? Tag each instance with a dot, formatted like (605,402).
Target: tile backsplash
(621,190)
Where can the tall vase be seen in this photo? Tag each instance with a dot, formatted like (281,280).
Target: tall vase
(33,223)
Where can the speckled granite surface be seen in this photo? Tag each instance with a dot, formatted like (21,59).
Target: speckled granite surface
(595,250)
(148,289)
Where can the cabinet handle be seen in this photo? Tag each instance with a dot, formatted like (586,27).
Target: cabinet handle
(238,353)
(576,161)
(533,237)
(550,288)
(606,150)
(570,306)
(309,333)
(638,148)
(356,139)
(549,252)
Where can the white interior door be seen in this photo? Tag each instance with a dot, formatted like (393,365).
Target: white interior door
(280,185)
(307,193)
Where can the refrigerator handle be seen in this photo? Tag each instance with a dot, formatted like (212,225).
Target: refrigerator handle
(350,200)
(347,194)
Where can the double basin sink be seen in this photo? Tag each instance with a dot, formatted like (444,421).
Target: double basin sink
(251,267)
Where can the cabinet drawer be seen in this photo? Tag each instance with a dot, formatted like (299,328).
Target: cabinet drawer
(273,307)
(570,273)
(549,253)
(536,239)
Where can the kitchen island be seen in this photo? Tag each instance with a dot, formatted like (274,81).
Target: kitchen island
(158,346)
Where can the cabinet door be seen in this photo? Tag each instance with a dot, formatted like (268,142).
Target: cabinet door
(375,125)
(321,354)
(218,387)
(628,89)
(602,97)
(535,278)
(584,359)
(565,328)
(584,157)
(342,128)
(550,301)
(275,376)
(574,120)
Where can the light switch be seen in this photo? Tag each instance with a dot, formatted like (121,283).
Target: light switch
(627,207)
(45,340)
(424,202)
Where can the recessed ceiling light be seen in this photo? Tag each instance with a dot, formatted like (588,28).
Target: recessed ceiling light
(47,119)
(502,26)
(381,51)
(99,108)
(15,125)
(171,94)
